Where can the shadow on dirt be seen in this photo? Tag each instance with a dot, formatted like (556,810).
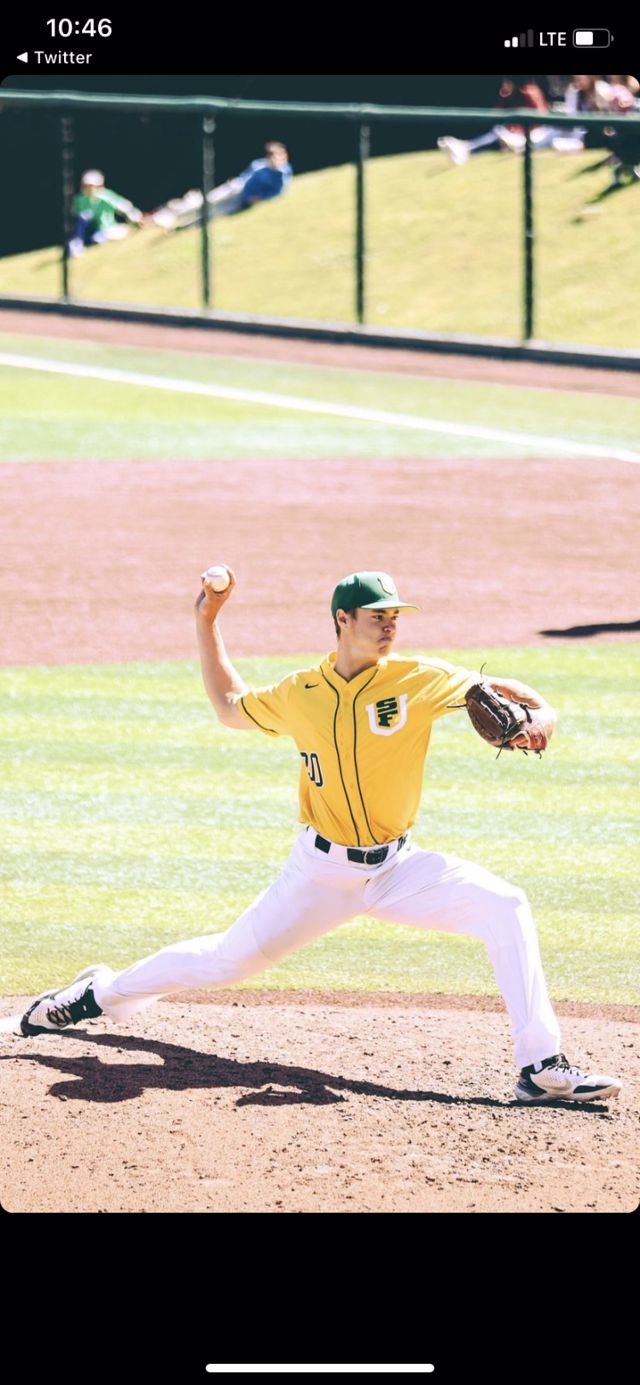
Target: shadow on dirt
(182,1069)
(579,631)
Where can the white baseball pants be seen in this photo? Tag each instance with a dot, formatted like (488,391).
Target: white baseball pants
(315,893)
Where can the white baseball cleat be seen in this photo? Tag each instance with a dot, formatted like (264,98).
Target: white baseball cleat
(56,1010)
(556,1080)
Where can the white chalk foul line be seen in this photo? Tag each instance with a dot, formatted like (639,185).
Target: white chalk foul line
(319,406)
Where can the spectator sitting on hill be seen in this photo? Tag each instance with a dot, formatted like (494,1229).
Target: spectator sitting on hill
(584,93)
(515,93)
(625,156)
(94,209)
(262,180)
(621,96)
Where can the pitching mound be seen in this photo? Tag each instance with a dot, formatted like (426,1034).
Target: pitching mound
(238,1106)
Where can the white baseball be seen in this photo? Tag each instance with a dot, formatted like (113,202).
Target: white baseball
(218,577)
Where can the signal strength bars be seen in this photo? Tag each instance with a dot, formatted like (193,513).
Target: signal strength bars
(524,41)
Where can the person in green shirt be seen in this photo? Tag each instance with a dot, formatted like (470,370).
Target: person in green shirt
(94,209)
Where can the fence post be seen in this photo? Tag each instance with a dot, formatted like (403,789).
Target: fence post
(208,174)
(67,188)
(528,238)
(362,156)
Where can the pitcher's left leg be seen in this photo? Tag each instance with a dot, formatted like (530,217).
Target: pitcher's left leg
(426,889)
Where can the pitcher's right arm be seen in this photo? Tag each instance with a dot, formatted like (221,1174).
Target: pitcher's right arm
(222,681)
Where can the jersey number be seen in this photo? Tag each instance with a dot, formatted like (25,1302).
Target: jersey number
(312,765)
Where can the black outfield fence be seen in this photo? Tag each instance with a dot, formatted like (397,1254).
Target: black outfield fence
(201,117)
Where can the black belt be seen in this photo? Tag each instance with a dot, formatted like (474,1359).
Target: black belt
(373,856)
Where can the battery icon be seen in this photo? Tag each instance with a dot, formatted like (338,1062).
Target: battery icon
(591,38)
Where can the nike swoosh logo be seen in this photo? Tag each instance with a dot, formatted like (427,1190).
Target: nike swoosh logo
(312,685)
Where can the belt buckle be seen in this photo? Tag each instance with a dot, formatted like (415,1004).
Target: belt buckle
(378,854)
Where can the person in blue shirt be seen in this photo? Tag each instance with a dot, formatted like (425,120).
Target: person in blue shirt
(262,180)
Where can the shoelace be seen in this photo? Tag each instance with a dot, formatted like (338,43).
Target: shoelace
(60,1015)
(84,1007)
(564,1065)
(559,1062)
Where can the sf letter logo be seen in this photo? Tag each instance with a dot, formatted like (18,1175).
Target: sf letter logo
(385,718)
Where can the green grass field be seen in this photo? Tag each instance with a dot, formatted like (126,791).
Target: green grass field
(77,417)
(130,818)
(444,251)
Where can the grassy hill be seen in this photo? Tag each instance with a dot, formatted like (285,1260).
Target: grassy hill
(444,252)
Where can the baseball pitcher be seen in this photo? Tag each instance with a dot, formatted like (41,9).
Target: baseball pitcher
(362,721)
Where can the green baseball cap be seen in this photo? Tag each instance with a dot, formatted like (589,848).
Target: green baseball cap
(374,590)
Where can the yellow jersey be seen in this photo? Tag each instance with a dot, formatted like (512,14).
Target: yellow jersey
(362,743)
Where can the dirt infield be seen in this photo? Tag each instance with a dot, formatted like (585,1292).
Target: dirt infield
(309,1103)
(123,545)
(307,1107)
(559,533)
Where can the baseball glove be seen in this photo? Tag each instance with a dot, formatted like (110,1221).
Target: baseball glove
(495,718)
